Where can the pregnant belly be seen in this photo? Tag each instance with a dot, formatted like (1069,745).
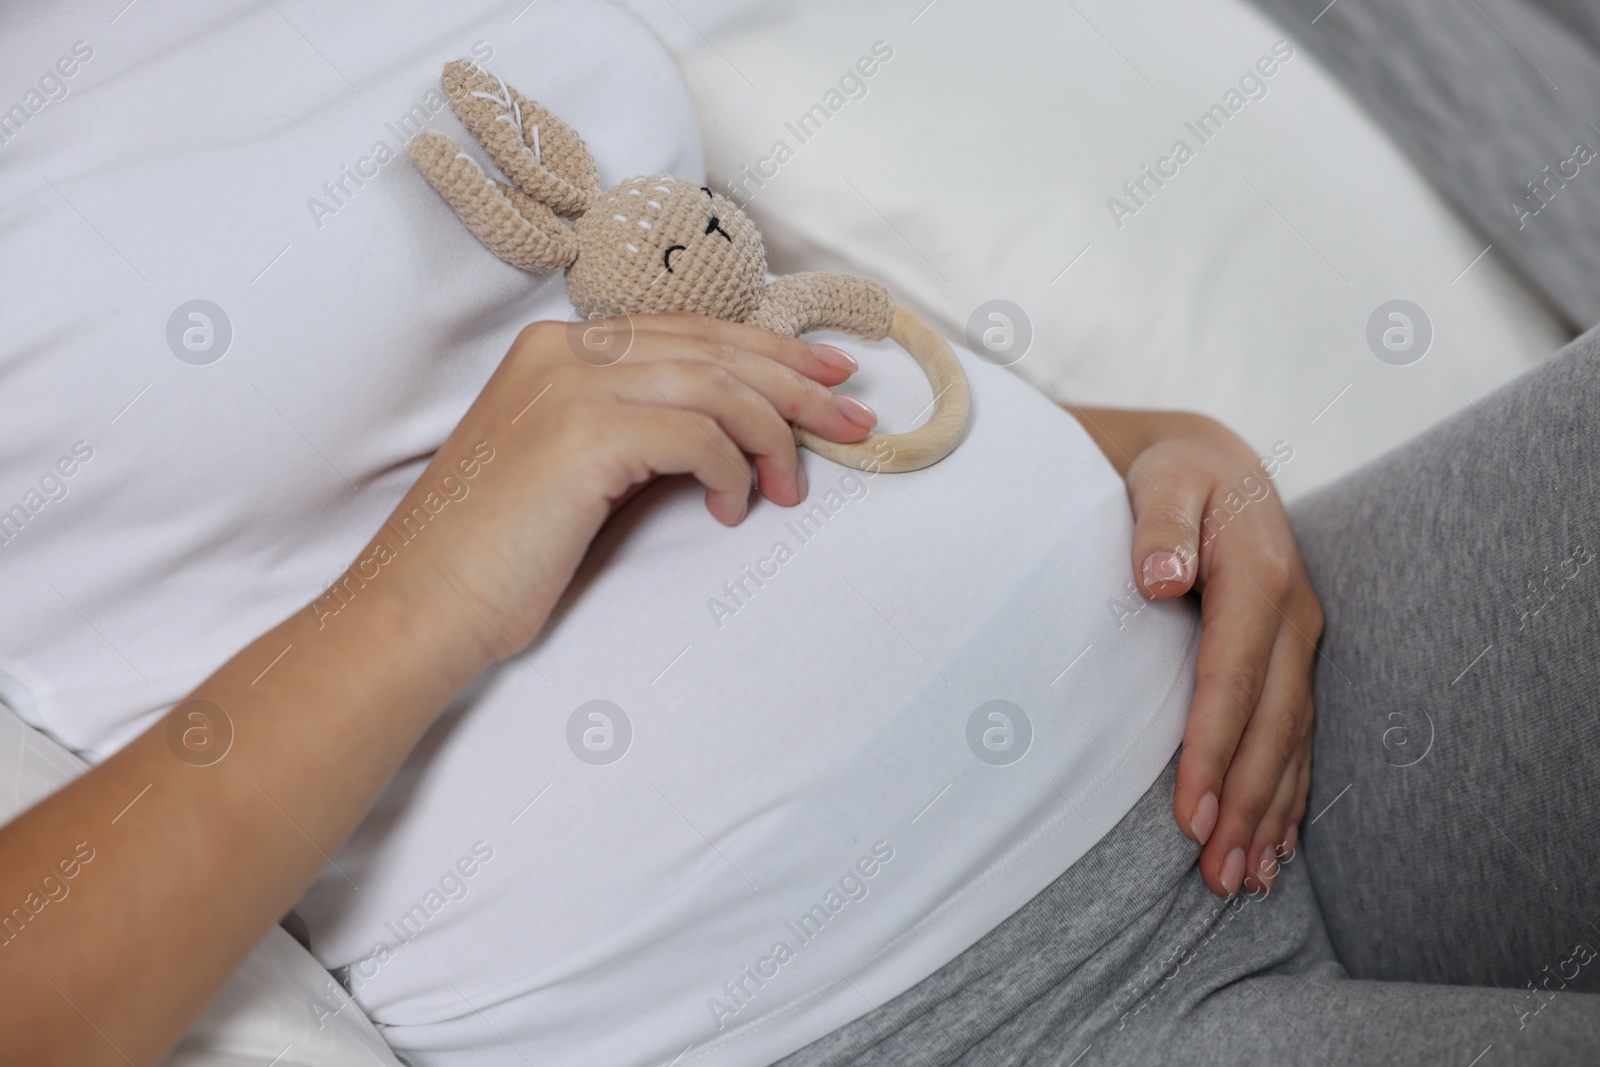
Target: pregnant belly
(753,780)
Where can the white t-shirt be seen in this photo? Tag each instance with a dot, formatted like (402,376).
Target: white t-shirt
(750,782)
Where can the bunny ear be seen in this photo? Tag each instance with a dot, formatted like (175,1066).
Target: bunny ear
(541,155)
(512,225)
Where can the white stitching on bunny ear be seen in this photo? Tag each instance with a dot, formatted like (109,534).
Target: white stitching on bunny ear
(462,155)
(513,113)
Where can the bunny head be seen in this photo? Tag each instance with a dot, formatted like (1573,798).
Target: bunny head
(650,244)
(660,244)
(666,244)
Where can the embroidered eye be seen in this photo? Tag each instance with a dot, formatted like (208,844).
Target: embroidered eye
(705,190)
(667,256)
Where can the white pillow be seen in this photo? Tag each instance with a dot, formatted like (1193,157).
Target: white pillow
(280,1003)
(977,162)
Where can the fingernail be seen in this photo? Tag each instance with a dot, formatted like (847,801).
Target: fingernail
(744,509)
(1167,567)
(1204,819)
(856,411)
(799,483)
(837,358)
(1233,871)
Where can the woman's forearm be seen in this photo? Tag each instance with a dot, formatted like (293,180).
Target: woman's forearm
(192,860)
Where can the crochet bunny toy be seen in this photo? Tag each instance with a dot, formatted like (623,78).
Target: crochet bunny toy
(660,244)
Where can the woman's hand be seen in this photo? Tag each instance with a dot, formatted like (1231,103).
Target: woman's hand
(693,395)
(1206,520)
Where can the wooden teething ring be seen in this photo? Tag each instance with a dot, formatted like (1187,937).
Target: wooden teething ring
(934,439)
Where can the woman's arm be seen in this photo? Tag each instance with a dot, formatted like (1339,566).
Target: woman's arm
(1206,520)
(183,860)
(191,864)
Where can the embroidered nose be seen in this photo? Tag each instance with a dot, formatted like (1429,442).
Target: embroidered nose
(716,225)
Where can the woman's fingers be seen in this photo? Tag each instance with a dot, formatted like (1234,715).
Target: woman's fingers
(1301,793)
(1257,776)
(1303,790)
(743,414)
(1275,847)
(1269,740)
(1297,810)
(750,383)
(798,398)
(1264,852)
(1237,634)
(823,363)
(1168,507)
(688,442)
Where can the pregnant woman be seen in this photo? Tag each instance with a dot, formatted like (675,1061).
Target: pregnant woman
(358,613)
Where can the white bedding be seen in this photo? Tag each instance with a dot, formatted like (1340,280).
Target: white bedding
(978,163)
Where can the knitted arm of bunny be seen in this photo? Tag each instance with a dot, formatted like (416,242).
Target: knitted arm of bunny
(798,303)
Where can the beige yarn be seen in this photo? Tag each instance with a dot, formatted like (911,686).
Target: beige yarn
(660,244)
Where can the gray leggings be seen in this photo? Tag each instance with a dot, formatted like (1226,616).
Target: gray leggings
(1443,906)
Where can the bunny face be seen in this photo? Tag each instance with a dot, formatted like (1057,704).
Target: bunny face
(661,243)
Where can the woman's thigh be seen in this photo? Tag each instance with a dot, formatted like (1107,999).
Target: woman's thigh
(1260,985)
(1128,959)
(1450,835)
(1319,1018)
